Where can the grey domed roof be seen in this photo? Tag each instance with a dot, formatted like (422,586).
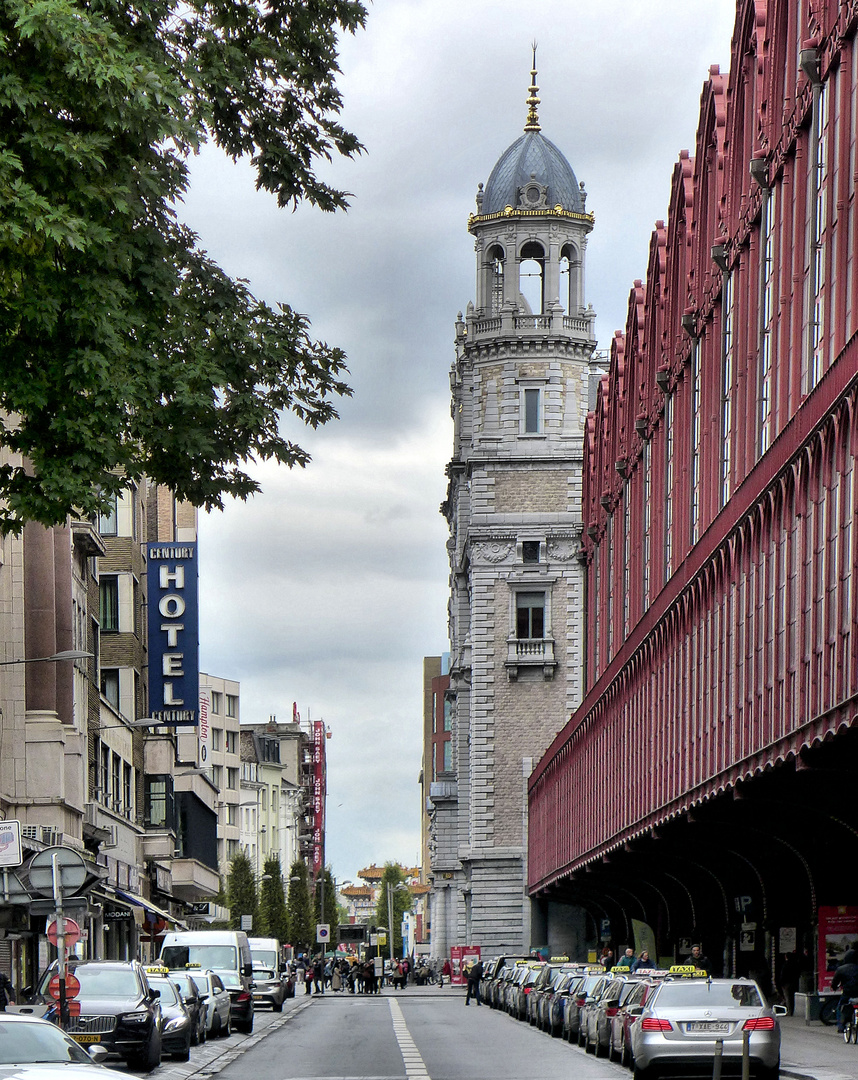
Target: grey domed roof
(532,155)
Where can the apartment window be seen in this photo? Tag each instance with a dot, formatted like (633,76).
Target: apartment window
(647,522)
(231,705)
(530,551)
(127,790)
(231,849)
(531,410)
(767,320)
(217,776)
(696,429)
(108,603)
(448,714)
(232,814)
(232,742)
(216,733)
(104,776)
(159,801)
(217,703)
(264,799)
(232,779)
(116,782)
(108,520)
(530,615)
(448,756)
(110,686)
(668,486)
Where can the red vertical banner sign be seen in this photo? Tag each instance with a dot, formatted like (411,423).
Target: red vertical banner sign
(838,929)
(318,797)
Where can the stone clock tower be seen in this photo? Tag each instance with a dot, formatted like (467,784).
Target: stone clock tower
(520,396)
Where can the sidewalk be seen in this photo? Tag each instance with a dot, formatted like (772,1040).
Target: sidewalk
(813,1050)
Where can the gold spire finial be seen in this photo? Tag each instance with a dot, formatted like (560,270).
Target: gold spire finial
(532,100)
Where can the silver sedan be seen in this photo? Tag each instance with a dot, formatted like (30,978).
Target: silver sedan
(687,1022)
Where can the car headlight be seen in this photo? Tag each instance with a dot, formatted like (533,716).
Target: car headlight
(134,1018)
(176,1024)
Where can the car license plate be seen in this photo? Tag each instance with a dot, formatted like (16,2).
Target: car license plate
(711,1027)
(86,1038)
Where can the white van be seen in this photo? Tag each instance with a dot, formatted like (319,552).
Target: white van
(223,951)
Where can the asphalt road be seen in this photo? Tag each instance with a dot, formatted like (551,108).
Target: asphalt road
(428,1034)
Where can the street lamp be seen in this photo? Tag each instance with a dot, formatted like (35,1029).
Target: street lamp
(66,654)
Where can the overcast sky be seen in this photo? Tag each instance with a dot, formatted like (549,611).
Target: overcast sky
(331,587)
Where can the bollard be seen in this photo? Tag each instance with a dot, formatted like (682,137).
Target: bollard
(746,1055)
(716,1064)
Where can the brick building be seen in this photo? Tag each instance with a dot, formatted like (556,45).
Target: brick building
(705,785)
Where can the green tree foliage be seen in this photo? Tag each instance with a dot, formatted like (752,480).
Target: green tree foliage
(330,913)
(273,921)
(299,908)
(241,891)
(400,902)
(126,351)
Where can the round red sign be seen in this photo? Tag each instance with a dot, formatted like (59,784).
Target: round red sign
(72,933)
(72,987)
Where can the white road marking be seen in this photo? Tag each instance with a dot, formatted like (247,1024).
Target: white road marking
(415,1068)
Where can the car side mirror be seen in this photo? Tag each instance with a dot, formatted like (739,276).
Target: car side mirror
(97,1053)
(634,1010)
(154,994)
(780,1010)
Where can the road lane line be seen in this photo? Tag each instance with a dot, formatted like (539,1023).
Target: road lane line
(415,1068)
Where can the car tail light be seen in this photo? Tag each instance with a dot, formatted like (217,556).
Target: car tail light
(612,1011)
(527,989)
(243,996)
(580,1001)
(759,1023)
(652,1023)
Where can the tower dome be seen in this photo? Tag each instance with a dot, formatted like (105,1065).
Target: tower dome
(532,173)
(532,158)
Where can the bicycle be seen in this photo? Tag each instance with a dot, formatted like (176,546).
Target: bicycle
(849,1022)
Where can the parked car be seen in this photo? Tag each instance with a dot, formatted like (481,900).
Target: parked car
(216,999)
(194,1003)
(33,1049)
(629,1008)
(576,1002)
(118,1010)
(600,1014)
(493,990)
(555,998)
(678,1027)
(177,1027)
(521,986)
(541,986)
(269,987)
(240,1001)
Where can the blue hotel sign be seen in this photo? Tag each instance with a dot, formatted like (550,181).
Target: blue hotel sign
(174,681)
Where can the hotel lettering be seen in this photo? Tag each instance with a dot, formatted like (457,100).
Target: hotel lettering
(174,693)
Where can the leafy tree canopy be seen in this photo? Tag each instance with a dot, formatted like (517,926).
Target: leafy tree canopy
(394,899)
(273,920)
(126,350)
(299,908)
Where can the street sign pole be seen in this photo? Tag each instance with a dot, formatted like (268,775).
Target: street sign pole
(61,940)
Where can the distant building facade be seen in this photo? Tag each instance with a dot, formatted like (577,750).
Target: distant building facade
(521,390)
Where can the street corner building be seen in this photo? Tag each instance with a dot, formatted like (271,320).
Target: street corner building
(521,389)
(705,785)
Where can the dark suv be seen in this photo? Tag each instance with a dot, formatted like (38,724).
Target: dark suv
(118,1010)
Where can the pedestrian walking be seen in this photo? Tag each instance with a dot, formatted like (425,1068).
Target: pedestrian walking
(7,991)
(845,979)
(475,974)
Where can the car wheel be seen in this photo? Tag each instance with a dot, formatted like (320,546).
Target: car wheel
(277,1006)
(642,1074)
(245,1026)
(149,1058)
(625,1055)
(598,1049)
(184,1055)
(770,1074)
(580,1037)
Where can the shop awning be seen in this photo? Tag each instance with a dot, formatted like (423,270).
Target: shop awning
(139,901)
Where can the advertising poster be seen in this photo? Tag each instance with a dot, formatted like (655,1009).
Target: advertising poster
(838,931)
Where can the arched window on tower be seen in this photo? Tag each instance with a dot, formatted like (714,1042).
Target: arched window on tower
(570,280)
(494,270)
(531,278)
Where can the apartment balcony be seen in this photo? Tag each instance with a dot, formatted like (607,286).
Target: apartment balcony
(530,653)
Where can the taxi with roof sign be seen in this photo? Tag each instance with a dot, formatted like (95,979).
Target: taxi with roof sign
(690,1017)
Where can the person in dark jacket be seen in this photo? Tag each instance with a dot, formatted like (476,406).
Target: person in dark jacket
(7,993)
(698,960)
(845,979)
(644,962)
(475,974)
